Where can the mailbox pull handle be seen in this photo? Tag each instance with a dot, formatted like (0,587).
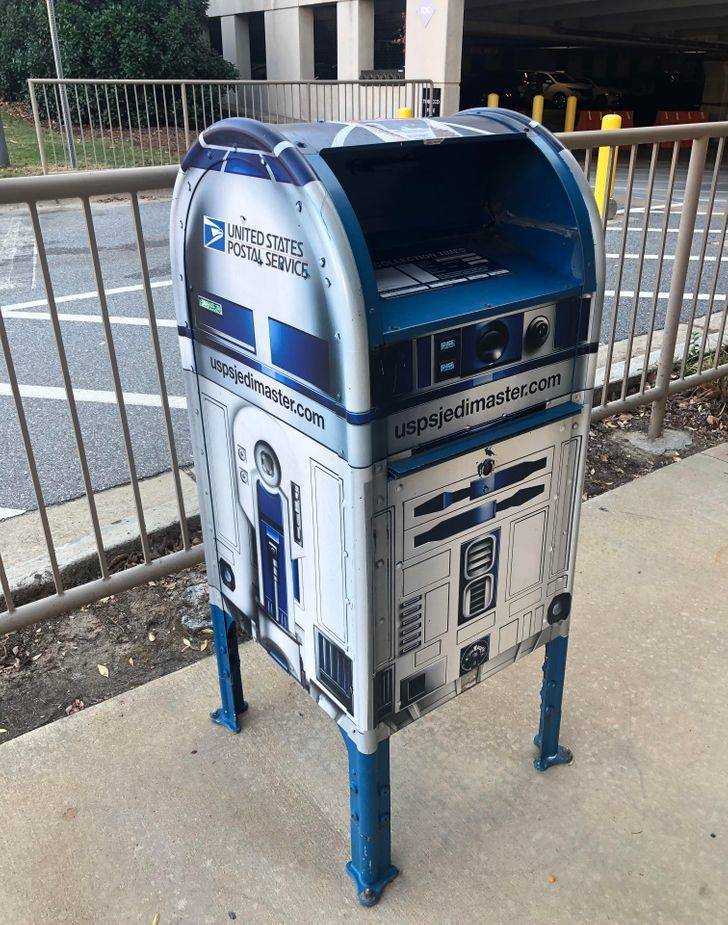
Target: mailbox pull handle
(479,487)
(477,515)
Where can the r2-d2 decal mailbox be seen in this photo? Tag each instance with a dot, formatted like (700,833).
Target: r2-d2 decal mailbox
(389,332)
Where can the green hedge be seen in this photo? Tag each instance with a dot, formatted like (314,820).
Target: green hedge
(107,38)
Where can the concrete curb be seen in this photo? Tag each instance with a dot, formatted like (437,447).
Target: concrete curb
(31,578)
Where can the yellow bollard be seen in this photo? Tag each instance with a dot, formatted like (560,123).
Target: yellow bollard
(493,99)
(405,112)
(570,115)
(537,111)
(603,187)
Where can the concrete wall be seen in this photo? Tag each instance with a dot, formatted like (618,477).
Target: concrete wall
(354,38)
(289,43)
(715,92)
(236,42)
(433,47)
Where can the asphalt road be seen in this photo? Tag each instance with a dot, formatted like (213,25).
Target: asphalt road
(26,317)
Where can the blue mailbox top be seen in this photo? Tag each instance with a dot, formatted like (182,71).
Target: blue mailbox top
(485,206)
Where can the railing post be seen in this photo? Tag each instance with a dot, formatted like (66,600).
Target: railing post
(493,100)
(38,126)
(680,266)
(537,109)
(185,115)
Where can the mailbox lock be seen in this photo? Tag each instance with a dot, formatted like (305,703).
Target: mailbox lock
(486,467)
(537,333)
(492,342)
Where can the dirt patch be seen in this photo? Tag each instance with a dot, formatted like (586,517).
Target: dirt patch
(68,664)
(65,665)
(701,413)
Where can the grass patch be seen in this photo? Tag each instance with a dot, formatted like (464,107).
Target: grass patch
(139,148)
(22,146)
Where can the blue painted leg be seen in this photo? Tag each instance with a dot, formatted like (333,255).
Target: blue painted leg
(552,692)
(228,670)
(370,866)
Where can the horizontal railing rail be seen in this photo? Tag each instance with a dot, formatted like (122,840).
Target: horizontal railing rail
(125,123)
(664,326)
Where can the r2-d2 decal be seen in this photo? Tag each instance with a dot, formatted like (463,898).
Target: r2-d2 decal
(389,346)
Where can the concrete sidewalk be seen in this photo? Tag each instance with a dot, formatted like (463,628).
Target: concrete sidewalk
(141,806)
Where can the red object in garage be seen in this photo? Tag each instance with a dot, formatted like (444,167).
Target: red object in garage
(679,117)
(591,119)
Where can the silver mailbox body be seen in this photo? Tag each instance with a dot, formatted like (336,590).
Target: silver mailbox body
(389,334)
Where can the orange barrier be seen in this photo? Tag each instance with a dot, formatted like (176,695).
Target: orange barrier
(591,119)
(679,117)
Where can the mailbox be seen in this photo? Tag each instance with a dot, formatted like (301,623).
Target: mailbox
(389,334)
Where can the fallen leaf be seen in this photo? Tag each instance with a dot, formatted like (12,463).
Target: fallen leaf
(103,671)
(186,643)
(155,920)
(203,645)
(207,631)
(151,637)
(3,731)
(131,661)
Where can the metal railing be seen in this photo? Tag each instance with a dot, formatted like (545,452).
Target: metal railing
(671,224)
(674,183)
(81,186)
(126,123)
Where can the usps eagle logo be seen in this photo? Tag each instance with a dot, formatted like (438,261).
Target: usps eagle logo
(213,233)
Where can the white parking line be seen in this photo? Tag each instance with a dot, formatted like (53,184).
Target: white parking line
(17,237)
(141,399)
(133,320)
(78,296)
(675,209)
(688,296)
(7,512)
(620,228)
(707,259)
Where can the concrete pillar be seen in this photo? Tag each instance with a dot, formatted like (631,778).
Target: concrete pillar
(354,38)
(289,43)
(236,43)
(715,92)
(434,47)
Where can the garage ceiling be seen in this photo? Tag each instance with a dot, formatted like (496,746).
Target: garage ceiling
(680,24)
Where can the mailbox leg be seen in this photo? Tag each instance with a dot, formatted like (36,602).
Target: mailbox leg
(552,692)
(370,866)
(228,670)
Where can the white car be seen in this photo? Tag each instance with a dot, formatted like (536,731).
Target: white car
(557,86)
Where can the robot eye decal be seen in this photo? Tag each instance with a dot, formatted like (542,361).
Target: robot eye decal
(267,464)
